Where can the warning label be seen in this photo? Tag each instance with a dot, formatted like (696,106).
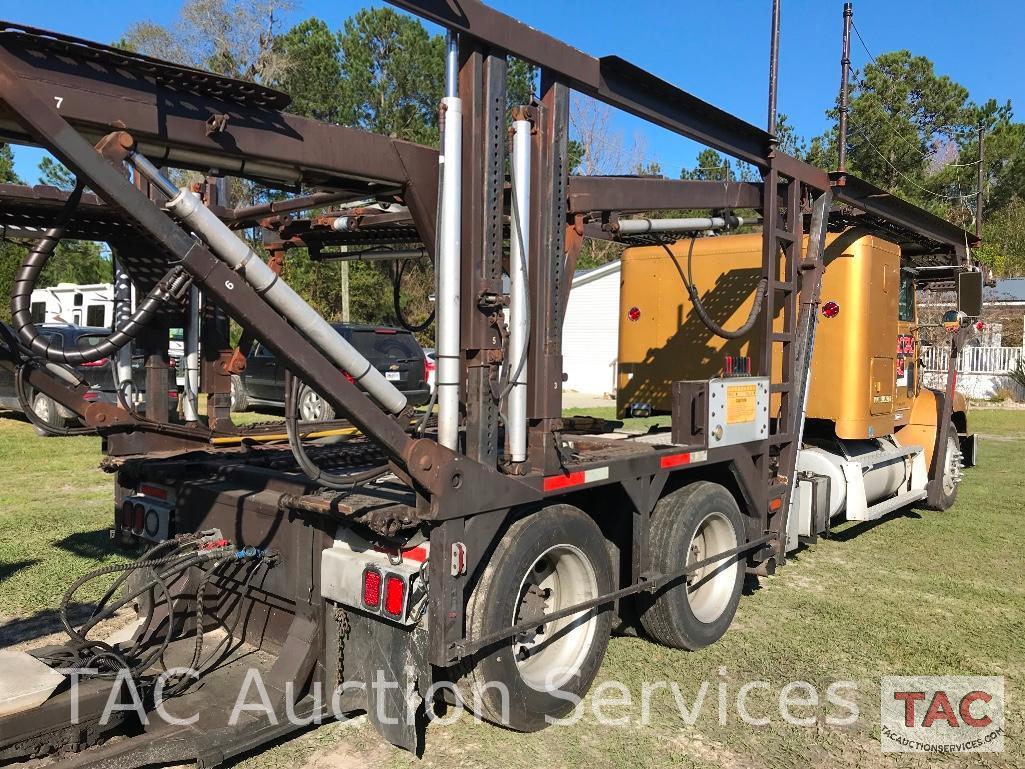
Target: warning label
(740,403)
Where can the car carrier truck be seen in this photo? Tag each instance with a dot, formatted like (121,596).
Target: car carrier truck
(491,545)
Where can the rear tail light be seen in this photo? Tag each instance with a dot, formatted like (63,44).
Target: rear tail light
(830,310)
(394,595)
(127,515)
(140,518)
(94,363)
(385,331)
(371,588)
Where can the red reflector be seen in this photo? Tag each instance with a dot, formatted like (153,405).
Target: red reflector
(93,363)
(634,313)
(153,491)
(90,395)
(564,481)
(385,331)
(371,588)
(775,504)
(674,460)
(830,309)
(394,595)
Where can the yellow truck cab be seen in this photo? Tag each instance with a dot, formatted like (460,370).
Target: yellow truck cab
(870,426)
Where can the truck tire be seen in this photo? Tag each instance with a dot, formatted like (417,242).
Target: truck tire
(950,470)
(48,411)
(689,525)
(239,396)
(546,561)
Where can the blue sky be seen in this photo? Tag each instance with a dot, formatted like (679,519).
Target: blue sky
(717,51)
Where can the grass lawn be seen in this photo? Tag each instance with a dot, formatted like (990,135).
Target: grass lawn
(918,593)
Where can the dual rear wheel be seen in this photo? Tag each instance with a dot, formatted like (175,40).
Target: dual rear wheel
(558,557)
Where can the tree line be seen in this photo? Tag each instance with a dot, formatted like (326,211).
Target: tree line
(911,131)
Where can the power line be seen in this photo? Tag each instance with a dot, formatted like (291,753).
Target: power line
(904,175)
(893,128)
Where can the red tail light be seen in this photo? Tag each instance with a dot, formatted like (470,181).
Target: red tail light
(830,309)
(371,588)
(428,368)
(394,595)
(94,363)
(140,518)
(127,514)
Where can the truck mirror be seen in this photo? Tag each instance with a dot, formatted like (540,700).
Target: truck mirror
(969,293)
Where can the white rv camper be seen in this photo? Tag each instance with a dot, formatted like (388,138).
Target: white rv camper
(79,305)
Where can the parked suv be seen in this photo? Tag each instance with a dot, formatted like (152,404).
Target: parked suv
(98,375)
(392,351)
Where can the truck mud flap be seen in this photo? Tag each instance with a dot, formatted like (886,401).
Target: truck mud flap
(969,449)
(385,671)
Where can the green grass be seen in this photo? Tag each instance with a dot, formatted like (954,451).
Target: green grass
(917,593)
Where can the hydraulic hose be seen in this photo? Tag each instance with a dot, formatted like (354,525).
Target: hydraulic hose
(25,281)
(307,465)
(699,308)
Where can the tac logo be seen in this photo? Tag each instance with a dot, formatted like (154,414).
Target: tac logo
(942,714)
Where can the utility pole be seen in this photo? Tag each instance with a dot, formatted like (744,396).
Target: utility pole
(343,279)
(773,66)
(982,180)
(845,68)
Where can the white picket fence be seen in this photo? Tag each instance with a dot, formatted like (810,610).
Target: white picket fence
(974,360)
(982,372)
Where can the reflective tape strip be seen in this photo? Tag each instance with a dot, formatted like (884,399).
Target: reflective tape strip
(678,460)
(577,478)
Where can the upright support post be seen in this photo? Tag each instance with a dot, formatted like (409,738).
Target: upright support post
(546,276)
(448,254)
(122,312)
(773,66)
(190,404)
(482,87)
(981,183)
(845,69)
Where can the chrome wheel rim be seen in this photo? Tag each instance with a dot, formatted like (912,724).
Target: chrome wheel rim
(550,654)
(311,406)
(41,405)
(952,468)
(710,588)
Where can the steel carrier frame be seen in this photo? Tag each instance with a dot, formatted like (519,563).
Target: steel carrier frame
(91,106)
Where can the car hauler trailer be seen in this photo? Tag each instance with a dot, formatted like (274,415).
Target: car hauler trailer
(493,547)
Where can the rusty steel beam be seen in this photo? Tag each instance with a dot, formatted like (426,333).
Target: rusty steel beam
(624,194)
(866,197)
(200,132)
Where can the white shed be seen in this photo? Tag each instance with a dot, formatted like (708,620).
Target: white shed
(590,336)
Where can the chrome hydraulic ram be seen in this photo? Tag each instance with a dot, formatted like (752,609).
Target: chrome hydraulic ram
(227,246)
(448,260)
(519,247)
